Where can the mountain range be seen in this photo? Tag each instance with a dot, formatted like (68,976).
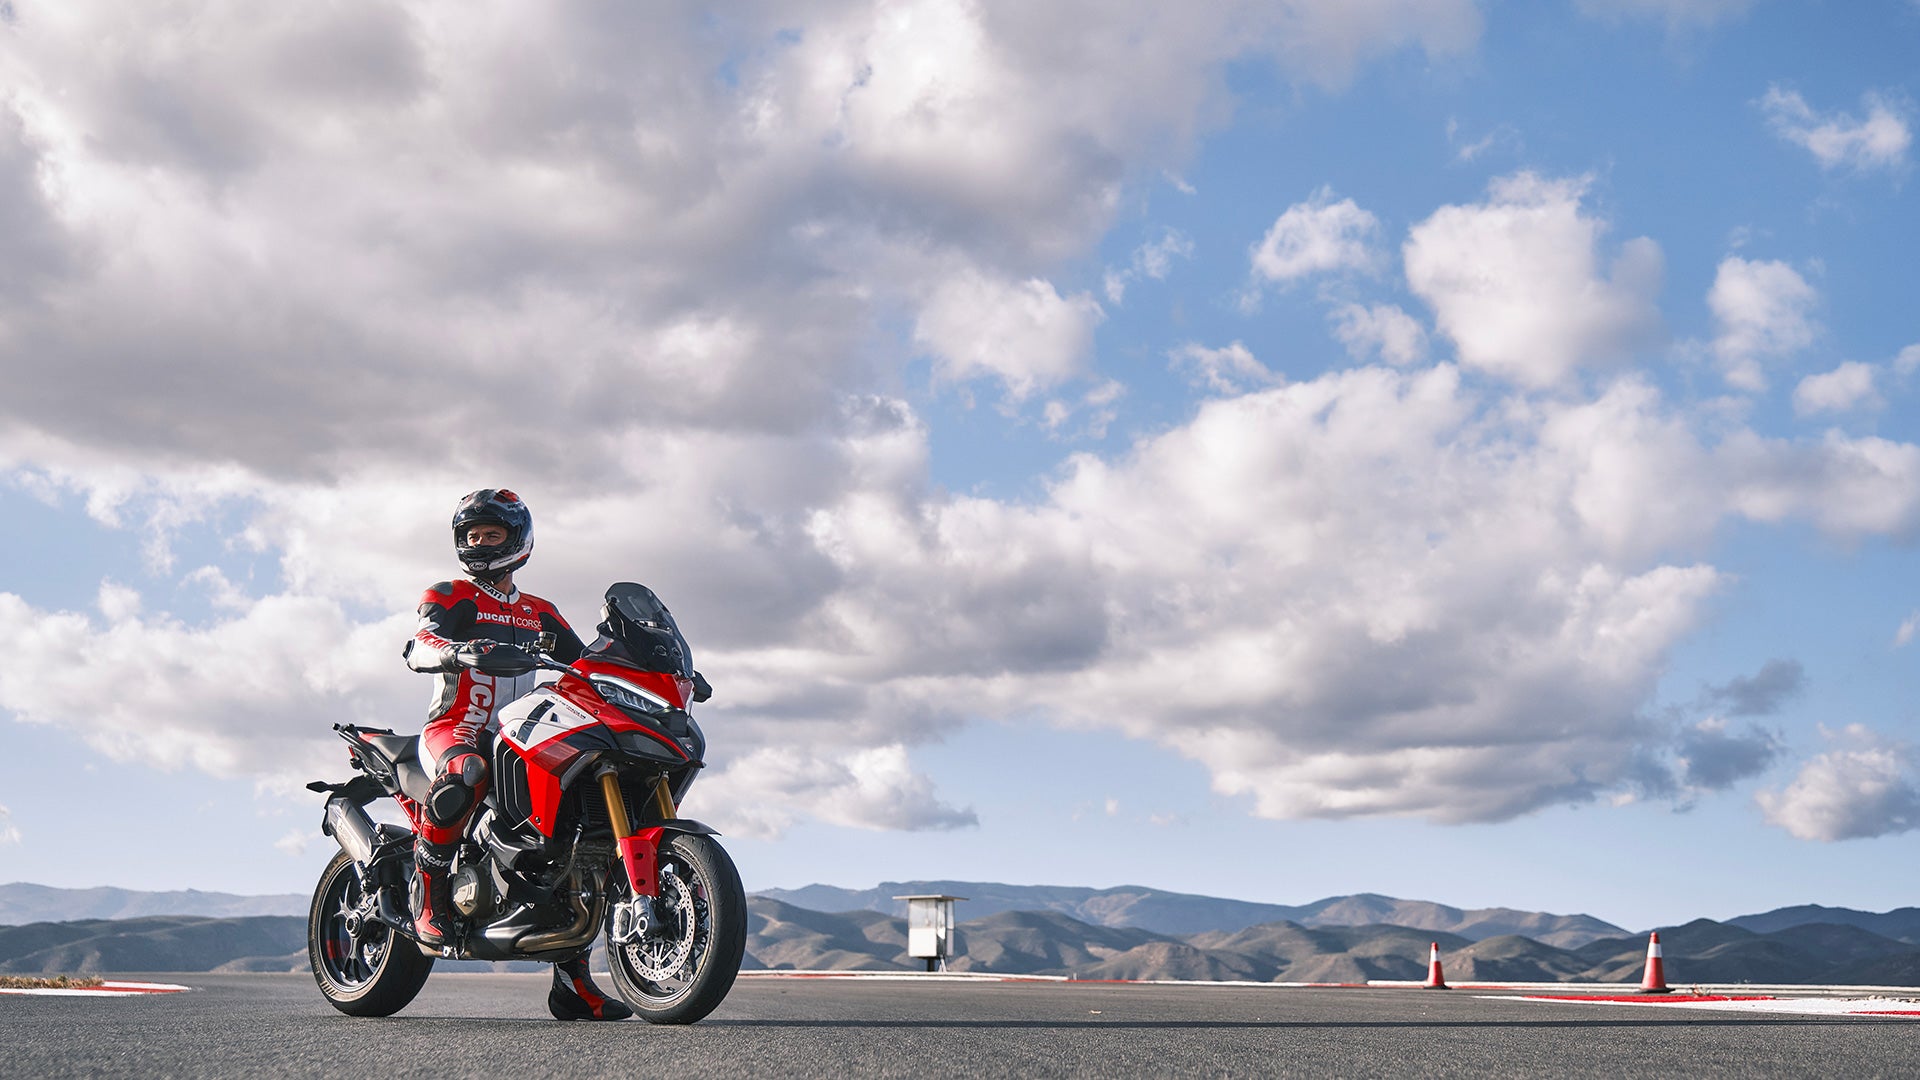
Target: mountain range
(1166,912)
(1048,942)
(21,902)
(1121,933)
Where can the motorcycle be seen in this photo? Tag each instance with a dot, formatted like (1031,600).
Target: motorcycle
(579,832)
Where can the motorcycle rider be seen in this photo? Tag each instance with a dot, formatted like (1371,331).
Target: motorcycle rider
(460,622)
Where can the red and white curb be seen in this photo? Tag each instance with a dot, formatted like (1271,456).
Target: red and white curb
(1905,1007)
(105,989)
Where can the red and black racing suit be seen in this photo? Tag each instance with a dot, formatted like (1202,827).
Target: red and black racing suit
(465,702)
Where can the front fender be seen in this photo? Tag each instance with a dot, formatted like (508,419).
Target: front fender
(685,825)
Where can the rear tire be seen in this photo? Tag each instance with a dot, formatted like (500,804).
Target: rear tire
(680,976)
(376,974)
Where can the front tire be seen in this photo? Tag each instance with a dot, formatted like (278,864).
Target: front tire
(375,972)
(681,971)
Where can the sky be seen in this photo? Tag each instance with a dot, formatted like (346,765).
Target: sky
(1467,451)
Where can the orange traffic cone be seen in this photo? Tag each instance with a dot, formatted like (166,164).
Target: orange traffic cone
(1435,980)
(1655,981)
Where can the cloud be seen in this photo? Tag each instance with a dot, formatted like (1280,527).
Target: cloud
(1715,758)
(1844,389)
(1318,236)
(1096,410)
(1024,332)
(1763,693)
(1907,362)
(1226,370)
(1904,636)
(1840,140)
(1382,330)
(1514,282)
(1153,261)
(1864,787)
(1764,311)
(9,833)
(763,793)
(708,250)
(1503,135)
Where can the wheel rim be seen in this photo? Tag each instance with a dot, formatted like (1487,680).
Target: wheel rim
(663,965)
(350,962)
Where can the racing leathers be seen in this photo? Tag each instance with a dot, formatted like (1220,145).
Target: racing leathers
(460,620)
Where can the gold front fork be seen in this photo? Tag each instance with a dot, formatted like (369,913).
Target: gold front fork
(617,806)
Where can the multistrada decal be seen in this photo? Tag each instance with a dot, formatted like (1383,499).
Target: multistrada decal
(550,718)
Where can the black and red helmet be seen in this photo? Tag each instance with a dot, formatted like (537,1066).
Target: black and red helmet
(493,506)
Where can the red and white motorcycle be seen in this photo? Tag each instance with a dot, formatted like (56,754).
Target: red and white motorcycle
(579,832)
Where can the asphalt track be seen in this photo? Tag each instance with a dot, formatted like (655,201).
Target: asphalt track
(496,1025)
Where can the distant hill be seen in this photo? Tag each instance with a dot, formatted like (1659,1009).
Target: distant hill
(1050,943)
(21,903)
(156,943)
(1900,924)
(1183,913)
(782,935)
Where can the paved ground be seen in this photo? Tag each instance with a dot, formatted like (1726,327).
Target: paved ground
(496,1025)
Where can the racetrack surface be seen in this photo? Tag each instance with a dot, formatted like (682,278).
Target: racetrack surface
(497,1025)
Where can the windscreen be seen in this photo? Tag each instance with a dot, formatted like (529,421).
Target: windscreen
(638,620)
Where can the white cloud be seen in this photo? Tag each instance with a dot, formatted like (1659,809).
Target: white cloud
(9,832)
(1382,330)
(1864,787)
(764,793)
(1764,311)
(1844,389)
(1225,370)
(1153,261)
(1502,135)
(1408,598)
(1904,636)
(295,842)
(1908,361)
(1317,236)
(1023,332)
(118,602)
(1848,487)
(1097,409)
(1840,140)
(1515,283)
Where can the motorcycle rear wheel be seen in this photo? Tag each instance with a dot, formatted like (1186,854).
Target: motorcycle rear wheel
(682,975)
(376,974)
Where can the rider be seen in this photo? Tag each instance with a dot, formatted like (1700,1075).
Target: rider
(460,622)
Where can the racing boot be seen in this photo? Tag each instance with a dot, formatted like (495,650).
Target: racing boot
(433,922)
(574,997)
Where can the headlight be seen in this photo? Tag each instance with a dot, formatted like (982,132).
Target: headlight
(628,696)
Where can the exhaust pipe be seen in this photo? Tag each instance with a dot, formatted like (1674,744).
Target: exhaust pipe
(348,824)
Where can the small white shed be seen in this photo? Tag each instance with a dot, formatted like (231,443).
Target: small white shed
(930,928)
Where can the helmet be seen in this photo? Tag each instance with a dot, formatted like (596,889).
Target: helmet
(493,506)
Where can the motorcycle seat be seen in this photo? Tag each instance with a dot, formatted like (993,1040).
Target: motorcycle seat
(397,748)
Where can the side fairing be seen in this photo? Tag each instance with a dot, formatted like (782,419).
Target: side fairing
(535,752)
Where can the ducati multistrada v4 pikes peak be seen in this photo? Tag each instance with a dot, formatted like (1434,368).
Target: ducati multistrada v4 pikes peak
(579,831)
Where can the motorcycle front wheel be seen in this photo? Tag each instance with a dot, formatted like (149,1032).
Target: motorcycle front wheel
(362,966)
(682,966)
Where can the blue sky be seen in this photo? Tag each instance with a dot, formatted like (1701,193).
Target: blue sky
(1464,451)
